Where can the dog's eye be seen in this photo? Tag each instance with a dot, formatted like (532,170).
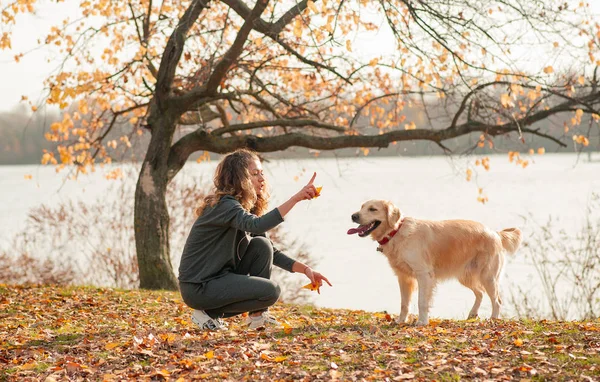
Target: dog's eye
(372,209)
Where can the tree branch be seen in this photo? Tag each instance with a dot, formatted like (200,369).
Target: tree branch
(174,49)
(272,30)
(277,122)
(202,140)
(236,48)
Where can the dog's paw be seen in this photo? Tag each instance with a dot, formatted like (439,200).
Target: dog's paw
(400,320)
(422,323)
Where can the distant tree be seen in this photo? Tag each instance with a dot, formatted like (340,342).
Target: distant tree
(270,75)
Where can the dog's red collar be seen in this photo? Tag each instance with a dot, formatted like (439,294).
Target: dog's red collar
(390,235)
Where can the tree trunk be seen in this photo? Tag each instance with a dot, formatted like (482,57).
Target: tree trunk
(151,216)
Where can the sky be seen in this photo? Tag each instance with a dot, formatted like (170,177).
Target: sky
(26,77)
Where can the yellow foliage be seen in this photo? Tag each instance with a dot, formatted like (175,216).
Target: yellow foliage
(506,100)
(581,139)
(311,5)
(481,198)
(5,41)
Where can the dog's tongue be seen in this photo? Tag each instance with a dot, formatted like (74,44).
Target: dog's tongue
(352,231)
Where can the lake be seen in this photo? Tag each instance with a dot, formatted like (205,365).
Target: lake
(553,185)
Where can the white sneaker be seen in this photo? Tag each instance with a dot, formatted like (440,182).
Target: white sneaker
(205,322)
(264,320)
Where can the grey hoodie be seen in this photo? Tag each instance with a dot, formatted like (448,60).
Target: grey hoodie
(219,238)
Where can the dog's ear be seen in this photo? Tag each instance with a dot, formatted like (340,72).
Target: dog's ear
(393,214)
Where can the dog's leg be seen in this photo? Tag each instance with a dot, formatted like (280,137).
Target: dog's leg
(478,298)
(425,281)
(490,284)
(407,286)
(467,280)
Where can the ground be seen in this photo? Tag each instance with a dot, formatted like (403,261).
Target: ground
(83,333)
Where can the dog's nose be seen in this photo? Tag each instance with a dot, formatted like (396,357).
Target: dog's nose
(355,218)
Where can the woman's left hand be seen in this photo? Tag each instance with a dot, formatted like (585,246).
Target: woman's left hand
(316,278)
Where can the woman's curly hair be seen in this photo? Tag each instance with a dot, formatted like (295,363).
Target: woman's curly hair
(232,177)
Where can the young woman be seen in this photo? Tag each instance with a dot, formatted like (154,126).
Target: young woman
(225,268)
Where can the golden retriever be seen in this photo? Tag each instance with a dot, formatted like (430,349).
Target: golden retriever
(422,252)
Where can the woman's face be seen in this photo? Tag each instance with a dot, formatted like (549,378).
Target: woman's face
(257,176)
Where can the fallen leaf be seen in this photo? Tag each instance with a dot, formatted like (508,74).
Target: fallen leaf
(406,376)
(518,342)
(287,329)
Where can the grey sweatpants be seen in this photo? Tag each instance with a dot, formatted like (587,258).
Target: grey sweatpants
(247,289)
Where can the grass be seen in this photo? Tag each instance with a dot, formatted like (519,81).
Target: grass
(108,334)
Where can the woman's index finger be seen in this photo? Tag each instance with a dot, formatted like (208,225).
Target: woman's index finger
(313,178)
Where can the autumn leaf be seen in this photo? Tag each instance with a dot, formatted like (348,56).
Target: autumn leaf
(209,355)
(287,329)
(469,174)
(506,100)
(518,342)
(548,69)
(318,188)
(164,372)
(311,5)
(28,365)
(311,287)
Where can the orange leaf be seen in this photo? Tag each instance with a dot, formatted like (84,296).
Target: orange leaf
(311,287)
(164,372)
(111,345)
(28,366)
(286,328)
(319,188)
(210,354)
(518,342)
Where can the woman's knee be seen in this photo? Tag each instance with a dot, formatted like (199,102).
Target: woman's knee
(262,246)
(190,294)
(272,292)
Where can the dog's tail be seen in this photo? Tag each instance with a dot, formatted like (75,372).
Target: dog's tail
(511,239)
